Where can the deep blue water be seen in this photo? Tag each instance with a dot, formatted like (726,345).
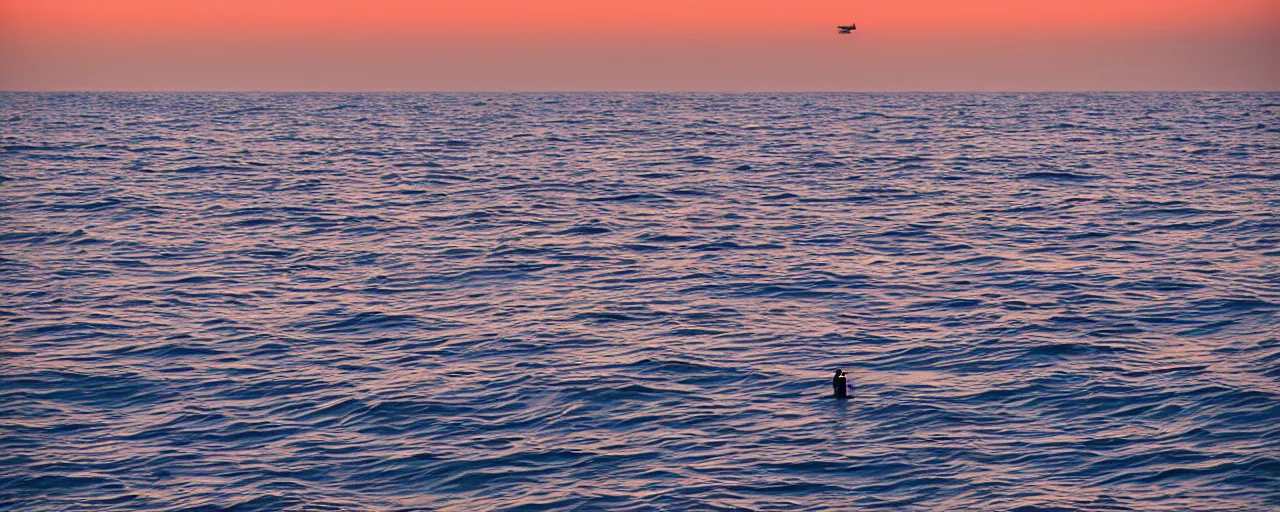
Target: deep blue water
(635,302)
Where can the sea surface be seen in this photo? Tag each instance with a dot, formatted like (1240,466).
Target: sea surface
(462,302)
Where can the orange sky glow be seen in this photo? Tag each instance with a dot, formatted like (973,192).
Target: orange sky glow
(499,45)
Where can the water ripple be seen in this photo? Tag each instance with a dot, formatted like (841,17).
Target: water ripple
(634,301)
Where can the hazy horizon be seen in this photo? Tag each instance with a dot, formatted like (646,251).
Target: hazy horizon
(637,91)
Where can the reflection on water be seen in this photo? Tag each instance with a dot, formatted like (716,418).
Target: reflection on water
(466,302)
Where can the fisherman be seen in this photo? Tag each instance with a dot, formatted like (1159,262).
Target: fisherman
(841,385)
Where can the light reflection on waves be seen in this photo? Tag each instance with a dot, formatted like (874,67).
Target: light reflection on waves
(633,301)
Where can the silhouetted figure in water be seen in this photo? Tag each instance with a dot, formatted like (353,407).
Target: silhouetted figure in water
(841,385)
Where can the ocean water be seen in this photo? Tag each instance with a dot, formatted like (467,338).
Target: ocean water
(636,302)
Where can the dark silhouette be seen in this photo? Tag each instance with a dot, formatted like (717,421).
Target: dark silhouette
(840,384)
(848,29)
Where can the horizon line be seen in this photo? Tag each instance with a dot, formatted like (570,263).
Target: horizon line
(631,91)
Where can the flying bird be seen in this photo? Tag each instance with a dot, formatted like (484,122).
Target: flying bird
(848,29)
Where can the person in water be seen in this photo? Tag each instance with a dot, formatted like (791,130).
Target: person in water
(841,385)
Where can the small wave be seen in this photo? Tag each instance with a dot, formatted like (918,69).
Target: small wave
(585,230)
(629,197)
(366,321)
(1062,176)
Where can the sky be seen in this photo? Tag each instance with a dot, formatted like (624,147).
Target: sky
(640,45)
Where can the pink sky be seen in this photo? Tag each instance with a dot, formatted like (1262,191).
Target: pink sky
(665,45)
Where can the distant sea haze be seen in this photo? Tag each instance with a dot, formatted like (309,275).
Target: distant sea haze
(464,302)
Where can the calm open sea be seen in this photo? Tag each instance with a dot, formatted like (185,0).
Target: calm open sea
(636,301)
